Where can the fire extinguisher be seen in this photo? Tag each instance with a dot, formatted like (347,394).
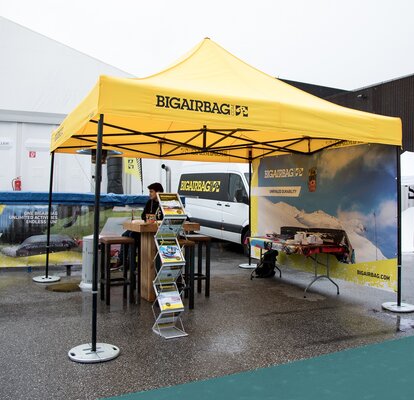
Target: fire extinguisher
(17,184)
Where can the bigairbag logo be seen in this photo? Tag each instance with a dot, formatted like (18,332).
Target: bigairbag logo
(181,103)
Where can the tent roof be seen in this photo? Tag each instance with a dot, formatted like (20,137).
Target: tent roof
(211,106)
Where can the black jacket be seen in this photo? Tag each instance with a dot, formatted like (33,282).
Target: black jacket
(152,207)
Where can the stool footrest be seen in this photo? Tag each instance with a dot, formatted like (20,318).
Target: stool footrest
(115,280)
(119,283)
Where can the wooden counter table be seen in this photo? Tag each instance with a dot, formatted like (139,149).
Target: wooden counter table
(148,251)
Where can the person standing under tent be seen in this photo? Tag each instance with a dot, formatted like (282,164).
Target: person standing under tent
(151,213)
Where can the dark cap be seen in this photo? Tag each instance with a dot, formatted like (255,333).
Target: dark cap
(156,187)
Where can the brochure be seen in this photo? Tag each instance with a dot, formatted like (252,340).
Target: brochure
(168,274)
(170,301)
(169,251)
(170,228)
(170,204)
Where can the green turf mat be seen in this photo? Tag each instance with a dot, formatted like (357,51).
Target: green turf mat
(379,371)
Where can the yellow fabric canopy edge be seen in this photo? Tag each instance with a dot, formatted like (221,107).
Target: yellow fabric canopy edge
(312,118)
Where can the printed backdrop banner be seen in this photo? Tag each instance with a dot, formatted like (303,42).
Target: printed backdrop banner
(23,232)
(349,188)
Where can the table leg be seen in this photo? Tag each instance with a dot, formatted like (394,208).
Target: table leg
(317,277)
(125,270)
(102,272)
(327,274)
(147,266)
(199,266)
(187,271)
(132,271)
(108,274)
(192,266)
(138,267)
(207,287)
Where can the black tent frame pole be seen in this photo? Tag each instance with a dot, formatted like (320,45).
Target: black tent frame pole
(49,212)
(98,179)
(141,172)
(250,203)
(399,306)
(399,258)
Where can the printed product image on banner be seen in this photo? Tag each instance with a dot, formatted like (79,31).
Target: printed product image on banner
(351,189)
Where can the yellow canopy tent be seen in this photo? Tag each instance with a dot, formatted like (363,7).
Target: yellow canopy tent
(211,106)
(208,106)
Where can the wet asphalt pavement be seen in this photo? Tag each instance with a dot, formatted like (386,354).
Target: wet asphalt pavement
(243,325)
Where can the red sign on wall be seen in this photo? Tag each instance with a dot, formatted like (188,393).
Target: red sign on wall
(32,154)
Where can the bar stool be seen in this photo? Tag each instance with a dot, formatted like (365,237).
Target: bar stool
(189,255)
(201,240)
(106,281)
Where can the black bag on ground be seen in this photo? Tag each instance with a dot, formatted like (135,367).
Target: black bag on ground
(266,266)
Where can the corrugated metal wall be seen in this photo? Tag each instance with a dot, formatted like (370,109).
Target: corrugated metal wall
(394,98)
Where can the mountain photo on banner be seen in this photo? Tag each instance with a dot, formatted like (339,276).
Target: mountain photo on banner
(352,188)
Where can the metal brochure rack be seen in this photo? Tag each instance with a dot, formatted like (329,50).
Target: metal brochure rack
(168,305)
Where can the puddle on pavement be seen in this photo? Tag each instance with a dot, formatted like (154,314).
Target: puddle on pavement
(297,293)
(404,324)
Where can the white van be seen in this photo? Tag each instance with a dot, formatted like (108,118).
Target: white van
(216,196)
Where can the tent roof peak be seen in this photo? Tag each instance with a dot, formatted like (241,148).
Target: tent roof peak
(162,115)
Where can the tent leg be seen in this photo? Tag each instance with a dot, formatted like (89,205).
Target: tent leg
(398,306)
(249,265)
(141,174)
(48,278)
(95,352)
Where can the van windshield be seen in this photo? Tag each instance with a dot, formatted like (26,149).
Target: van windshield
(247,175)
